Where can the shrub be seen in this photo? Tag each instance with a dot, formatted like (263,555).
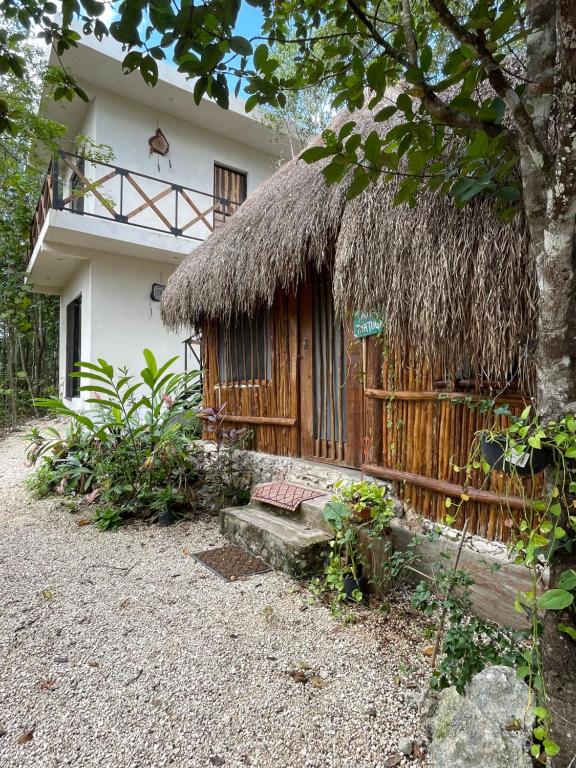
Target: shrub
(132,445)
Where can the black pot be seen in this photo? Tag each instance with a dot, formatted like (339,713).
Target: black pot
(530,462)
(166,517)
(351,584)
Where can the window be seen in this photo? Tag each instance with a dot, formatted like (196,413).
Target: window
(73,337)
(244,348)
(230,187)
(77,189)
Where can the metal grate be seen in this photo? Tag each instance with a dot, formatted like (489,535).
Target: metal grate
(231,562)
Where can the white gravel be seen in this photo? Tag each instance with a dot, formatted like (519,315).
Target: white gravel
(118,651)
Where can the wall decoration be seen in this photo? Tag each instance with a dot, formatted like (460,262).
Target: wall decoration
(159,145)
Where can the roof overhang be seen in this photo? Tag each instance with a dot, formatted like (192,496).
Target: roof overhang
(98,65)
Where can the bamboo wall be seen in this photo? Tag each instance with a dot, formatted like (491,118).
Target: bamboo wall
(414,424)
(269,409)
(402,424)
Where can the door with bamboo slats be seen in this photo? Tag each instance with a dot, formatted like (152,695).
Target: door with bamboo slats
(329,389)
(230,189)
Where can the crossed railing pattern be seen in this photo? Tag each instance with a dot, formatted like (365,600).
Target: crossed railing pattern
(127,197)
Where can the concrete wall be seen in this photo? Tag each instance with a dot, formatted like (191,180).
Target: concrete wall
(79,284)
(126,127)
(124,317)
(119,318)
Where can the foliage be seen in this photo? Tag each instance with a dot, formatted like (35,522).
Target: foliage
(543,534)
(337,48)
(107,518)
(358,506)
(226,473)
(470,643)
(28,321)
(133,449)
(306,112)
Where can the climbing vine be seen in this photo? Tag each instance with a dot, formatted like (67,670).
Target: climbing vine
(543,531)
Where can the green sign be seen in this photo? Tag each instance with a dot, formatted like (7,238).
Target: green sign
(366,324)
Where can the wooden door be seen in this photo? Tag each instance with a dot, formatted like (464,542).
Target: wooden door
(230,189)
(331,415)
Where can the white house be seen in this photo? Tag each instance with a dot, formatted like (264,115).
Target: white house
(106,235)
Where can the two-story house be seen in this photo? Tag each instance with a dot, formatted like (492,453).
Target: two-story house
(107,235)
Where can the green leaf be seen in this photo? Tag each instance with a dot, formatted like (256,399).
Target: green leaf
(551,748)
(555,600)
(568,630)
(151,362)
(376,76)
(567,579)
(240,45)
(359,183)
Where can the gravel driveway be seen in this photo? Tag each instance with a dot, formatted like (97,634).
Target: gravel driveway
(118,651)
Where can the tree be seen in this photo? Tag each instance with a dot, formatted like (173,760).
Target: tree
(28,322)
(306,112)
(515,125)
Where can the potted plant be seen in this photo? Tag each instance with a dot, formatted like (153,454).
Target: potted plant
(522,449)
(357,509)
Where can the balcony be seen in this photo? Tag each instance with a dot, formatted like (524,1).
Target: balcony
(99,190)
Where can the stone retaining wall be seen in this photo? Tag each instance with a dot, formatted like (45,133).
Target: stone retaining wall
(496,578)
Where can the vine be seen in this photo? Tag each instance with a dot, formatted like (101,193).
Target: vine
(543,530)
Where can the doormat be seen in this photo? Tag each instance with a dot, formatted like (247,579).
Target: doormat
(231,562)
(285,495)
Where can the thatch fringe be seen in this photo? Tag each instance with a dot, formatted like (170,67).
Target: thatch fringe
(452,284)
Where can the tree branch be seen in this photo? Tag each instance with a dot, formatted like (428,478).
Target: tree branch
(496,78)
(435,106)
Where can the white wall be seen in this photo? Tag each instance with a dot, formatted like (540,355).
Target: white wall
(125,320)
(119,319)
(79,284)
(126,126)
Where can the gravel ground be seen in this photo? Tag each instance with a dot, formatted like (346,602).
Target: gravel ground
(119,651)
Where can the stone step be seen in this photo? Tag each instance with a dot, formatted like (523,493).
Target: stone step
(288,545)
(308,513)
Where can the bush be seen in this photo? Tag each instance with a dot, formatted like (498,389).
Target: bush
(133,449)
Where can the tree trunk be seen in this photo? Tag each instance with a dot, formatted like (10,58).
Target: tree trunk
(549,190)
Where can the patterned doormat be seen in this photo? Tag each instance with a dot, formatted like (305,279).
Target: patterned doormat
(231,562)
(284,495)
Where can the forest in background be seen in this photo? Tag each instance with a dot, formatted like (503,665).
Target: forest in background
(28,321)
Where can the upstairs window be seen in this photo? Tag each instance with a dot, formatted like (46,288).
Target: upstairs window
(230,189)
(244,346)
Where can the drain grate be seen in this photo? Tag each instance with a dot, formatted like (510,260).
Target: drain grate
(231,562)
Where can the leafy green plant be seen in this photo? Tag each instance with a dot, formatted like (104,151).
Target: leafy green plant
(134,442)
(361,506)
(543,534)
(107,518)
(469,643)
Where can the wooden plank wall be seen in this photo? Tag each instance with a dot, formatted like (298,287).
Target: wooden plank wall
(269,409)
(417,432)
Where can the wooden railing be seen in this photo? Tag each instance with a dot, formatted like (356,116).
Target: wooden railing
(97,189)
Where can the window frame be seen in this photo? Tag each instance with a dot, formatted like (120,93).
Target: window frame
(224,381)
(73,348)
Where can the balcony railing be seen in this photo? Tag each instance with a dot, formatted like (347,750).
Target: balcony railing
(97,189)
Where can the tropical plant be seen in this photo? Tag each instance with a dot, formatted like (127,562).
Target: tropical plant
(469,643)
(543,535)
(227,471)
(135,441)
(361,506)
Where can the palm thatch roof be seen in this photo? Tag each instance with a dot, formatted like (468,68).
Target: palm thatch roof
(452,284)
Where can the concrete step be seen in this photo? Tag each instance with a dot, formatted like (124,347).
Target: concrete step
(288,545)
(308,513)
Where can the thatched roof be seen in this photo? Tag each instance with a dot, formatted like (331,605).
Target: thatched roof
(451,283)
